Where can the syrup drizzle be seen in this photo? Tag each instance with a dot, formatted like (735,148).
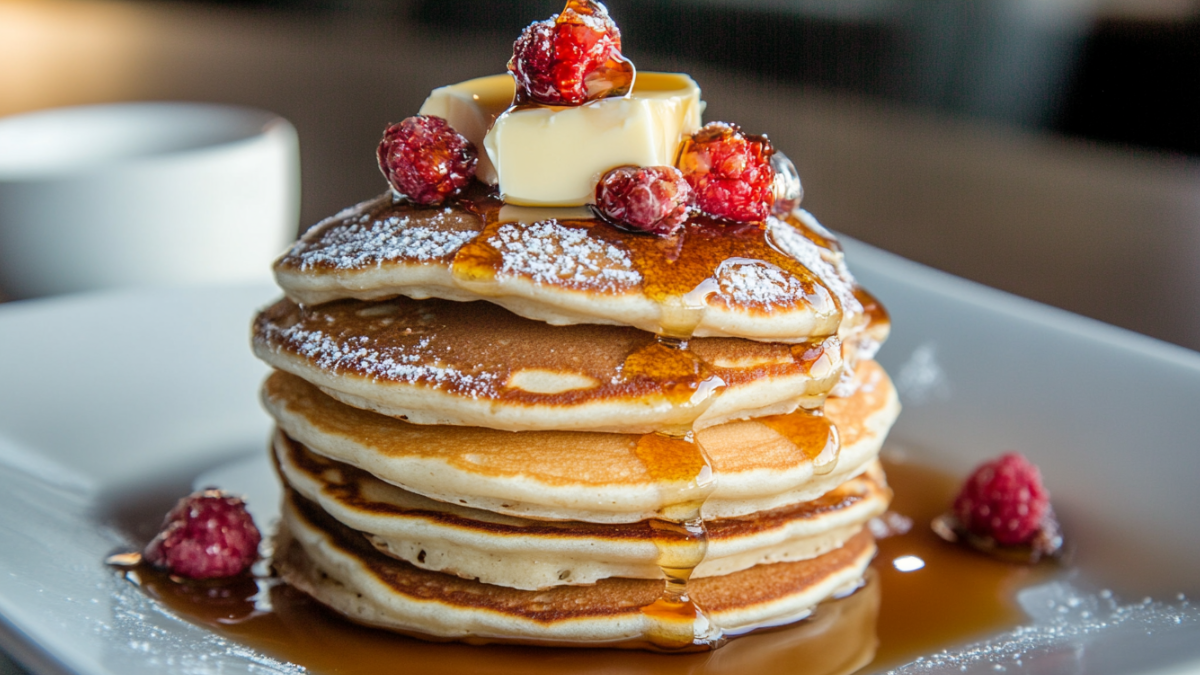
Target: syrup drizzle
(679,466)
(678,463)
(680,274)
(813,356)
(876,314)
(683,274)
(812,433)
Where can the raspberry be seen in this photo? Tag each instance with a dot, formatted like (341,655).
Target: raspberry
(571,58)
(649,199)
(730,172)
(1004,499)
(207,535)
(426,160)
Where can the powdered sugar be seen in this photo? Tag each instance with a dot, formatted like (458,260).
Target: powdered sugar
(364,240)
(1078,632)
(416,363)
(552,253)
(826,264)
(754,282)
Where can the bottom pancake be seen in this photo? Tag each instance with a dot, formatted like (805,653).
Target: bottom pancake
(339,568)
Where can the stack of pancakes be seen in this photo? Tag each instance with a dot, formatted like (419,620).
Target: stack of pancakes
(516,425)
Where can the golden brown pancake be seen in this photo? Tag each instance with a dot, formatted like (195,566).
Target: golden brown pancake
(782,281)
(338,567)
(533,554)
(595,477)
(475,364)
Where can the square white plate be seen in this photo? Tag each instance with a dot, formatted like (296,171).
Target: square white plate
(112,405)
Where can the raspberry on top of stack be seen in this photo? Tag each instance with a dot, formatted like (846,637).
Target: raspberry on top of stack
(586,375)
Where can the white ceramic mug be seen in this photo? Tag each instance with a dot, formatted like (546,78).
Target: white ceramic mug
(143,194)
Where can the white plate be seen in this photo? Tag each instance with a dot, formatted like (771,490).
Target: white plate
(112,405)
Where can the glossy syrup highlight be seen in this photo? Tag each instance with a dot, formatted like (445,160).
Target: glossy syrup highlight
(679,273)
(812,433)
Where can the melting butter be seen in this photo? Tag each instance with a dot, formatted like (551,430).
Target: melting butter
(554,156)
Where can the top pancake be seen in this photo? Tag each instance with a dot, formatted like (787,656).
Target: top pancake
(782,281)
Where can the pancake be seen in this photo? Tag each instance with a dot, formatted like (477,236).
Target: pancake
(782,281)
(531,554)
(340,569)
(476,364)
(594,477)
(863,342)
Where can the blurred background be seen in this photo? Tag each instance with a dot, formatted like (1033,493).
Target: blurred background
(1050,148)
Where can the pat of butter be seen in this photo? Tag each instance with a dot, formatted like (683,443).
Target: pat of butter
(470,108)
(529,215)
(554,156)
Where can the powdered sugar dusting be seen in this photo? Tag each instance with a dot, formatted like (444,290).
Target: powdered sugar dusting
(754,282)
(551,253)
(1078,632)
(360,240)
(417,363)
(826,264)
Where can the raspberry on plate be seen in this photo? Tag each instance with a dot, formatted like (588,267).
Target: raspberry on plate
(571,58)
(426,160)
(208,535)
(1004,499)
(650,199)
(730,172)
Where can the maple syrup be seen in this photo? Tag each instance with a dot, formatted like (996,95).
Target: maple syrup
(958,595)
(813,356)
(677,269)
(812,433)
(678,464)
(681,375)
(876,313)
(679,273)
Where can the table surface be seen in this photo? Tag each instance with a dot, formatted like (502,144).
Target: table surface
(7,667)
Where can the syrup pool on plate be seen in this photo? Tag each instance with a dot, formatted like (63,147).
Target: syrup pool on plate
(922,595)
